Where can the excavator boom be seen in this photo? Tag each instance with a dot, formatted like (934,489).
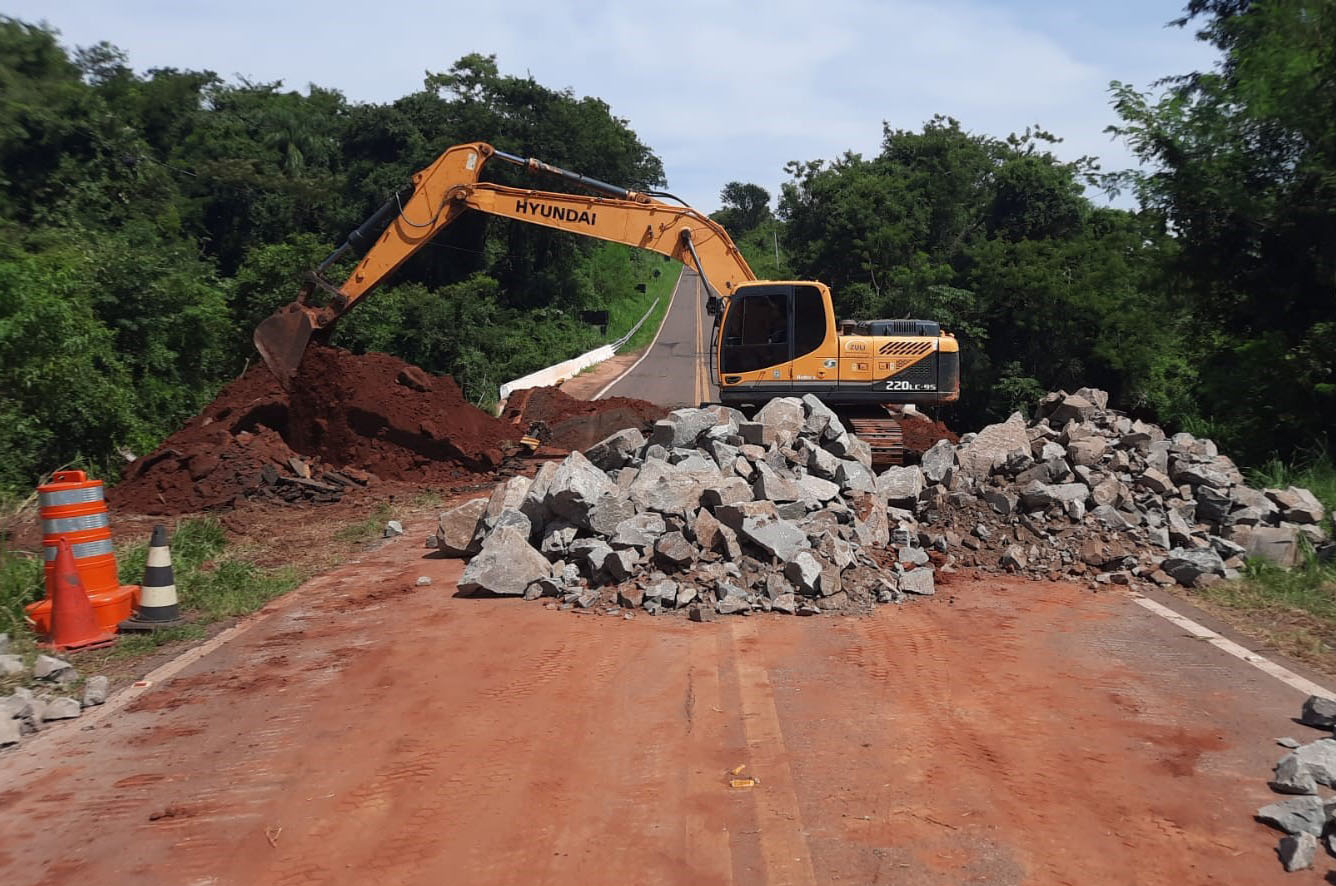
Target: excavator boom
(450,187)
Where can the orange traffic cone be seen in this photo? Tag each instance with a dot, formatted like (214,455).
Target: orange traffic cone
(73,622)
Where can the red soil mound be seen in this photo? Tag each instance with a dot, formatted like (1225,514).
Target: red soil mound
(346,412)
(921,434)
(577,424)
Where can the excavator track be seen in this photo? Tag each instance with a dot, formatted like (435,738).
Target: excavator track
(883,434)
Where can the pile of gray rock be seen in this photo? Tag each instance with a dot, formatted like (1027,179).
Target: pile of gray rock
(784,512)
(711,514)
(24,711)
(1084,490)
(1307,816)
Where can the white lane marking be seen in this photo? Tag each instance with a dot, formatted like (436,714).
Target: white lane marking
(653,342)
(1261,662)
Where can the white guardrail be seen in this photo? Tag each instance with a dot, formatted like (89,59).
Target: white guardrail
(559,372)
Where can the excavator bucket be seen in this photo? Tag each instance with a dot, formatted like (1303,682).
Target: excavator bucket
(282,338)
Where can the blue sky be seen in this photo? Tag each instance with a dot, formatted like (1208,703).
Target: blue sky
(721,91)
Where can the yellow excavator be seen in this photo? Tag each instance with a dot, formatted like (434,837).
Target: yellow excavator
(770,338)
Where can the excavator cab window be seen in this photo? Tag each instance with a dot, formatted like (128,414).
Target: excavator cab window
(809,320)
(756,330)
(771,325)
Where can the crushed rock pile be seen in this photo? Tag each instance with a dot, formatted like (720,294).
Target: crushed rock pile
(784,513)
(351,417)
(25,711)
(1308,816)
(712,514)
(1083,490)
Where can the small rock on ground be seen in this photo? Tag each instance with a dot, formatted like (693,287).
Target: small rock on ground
(95,691)
(1297,852)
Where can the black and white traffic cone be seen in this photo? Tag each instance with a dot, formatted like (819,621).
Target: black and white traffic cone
(158,606)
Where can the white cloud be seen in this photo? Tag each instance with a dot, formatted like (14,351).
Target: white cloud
(721,91)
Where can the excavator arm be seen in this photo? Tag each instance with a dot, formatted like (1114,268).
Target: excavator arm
(448,188)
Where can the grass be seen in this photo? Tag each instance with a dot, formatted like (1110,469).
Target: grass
(371,527)
(213,582)
(624,312)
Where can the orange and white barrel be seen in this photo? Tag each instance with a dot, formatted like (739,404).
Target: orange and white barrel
(74,508)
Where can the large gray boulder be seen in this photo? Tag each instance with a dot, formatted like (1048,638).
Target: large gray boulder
(1278,544)
(992,447)
(576,486)
(939,462)
(1087,451)
(1318,711)
(1297,505)
(821,462)
(534,505)
(1319,759)
(668,489)
(816,491)
(918,581)
(674,551)
(506,565)
(608,513)
(854,476)
(62,708)
(780,538)
(507,494)
(821,421)
(872,524)
(638,531)
(783,416)
(804,571)
(1037,496)
(901,486)
(512,517)
(457,530)
(615,450)
(1070,408)
(773,487)
(47,667)
(682,427)
(1186,565)
(1297,815)
(1297,851)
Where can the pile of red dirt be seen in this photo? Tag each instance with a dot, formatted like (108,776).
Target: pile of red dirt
(560,420)
(921,434)
(368,416)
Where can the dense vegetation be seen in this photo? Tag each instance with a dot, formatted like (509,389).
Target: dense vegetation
(149,220)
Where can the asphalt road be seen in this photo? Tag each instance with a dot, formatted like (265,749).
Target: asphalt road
(366,729)
(673,372)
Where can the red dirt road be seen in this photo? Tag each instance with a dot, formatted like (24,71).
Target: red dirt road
(366,730)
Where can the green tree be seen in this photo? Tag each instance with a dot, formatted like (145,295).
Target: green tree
(1243,172)
(745,208)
